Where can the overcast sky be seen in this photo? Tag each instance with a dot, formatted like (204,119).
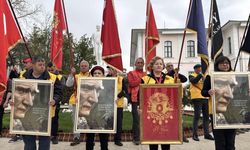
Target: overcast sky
(84,15)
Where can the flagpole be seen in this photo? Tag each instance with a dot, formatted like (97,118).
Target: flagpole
(243,39)
(209,32)
(25,43)
(212,27)
(146,36)
(183,39)
(70,43)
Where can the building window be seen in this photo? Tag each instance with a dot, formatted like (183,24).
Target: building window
(168,49)
(190,48)
(229,45)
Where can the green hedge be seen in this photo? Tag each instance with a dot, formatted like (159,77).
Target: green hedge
(65,121)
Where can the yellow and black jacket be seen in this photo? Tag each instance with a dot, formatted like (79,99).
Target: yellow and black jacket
(151,79)
(196,86)
(121,92)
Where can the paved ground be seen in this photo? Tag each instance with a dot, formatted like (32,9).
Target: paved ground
(242,143)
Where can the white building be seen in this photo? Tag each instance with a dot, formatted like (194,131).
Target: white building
(171,40)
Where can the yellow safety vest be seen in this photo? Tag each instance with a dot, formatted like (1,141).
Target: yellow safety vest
(120,101)
(195,89)
(150,80)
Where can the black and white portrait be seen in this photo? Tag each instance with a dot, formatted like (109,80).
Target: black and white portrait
(31,112)
(96,103)
(231,100)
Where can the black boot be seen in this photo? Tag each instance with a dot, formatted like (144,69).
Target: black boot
(195,137)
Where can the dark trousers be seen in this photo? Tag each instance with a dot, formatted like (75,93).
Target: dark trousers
(103,140)
(163,147)
(118,134)
(1,118)
(200,105)
(54,122)
(224,139)
(30,142)
(135,127)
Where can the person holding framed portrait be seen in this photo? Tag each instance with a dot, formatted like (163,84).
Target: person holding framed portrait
(156,76)
(91,90)
(224,138)
(38,72)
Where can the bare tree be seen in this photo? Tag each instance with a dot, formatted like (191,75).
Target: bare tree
(23,8)
(29,13)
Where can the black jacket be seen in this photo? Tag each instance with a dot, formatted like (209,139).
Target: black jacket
(206,86)
(180,76)
(196,79)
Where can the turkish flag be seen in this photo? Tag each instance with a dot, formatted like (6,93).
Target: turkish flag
(152,36)
(111,50)
(59,25)
(9,37)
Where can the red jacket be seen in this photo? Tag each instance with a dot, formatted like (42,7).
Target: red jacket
(134,81)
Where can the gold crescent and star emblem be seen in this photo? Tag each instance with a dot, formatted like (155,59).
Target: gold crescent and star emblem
(159,108)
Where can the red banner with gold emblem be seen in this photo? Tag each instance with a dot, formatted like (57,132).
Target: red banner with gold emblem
(161,121)
(59,25)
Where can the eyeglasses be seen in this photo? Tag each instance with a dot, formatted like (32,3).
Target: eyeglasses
(224,63)
(169,65)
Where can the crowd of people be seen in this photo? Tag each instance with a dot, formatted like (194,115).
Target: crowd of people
(127,87)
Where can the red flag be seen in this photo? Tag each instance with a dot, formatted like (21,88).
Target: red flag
(151,35)
(9,37)
(111,50)
(59,25)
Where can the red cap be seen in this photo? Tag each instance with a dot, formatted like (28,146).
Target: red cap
(26,60)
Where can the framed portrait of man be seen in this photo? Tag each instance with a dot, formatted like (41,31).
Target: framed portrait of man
(161,117)
(96,106)
(31,114)
(231,101)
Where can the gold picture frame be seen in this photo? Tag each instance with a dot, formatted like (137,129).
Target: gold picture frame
(161,115)
(231,101)
(31,113)
(96,107)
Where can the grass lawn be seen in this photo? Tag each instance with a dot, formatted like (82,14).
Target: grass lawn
(187,121)
(65,122)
